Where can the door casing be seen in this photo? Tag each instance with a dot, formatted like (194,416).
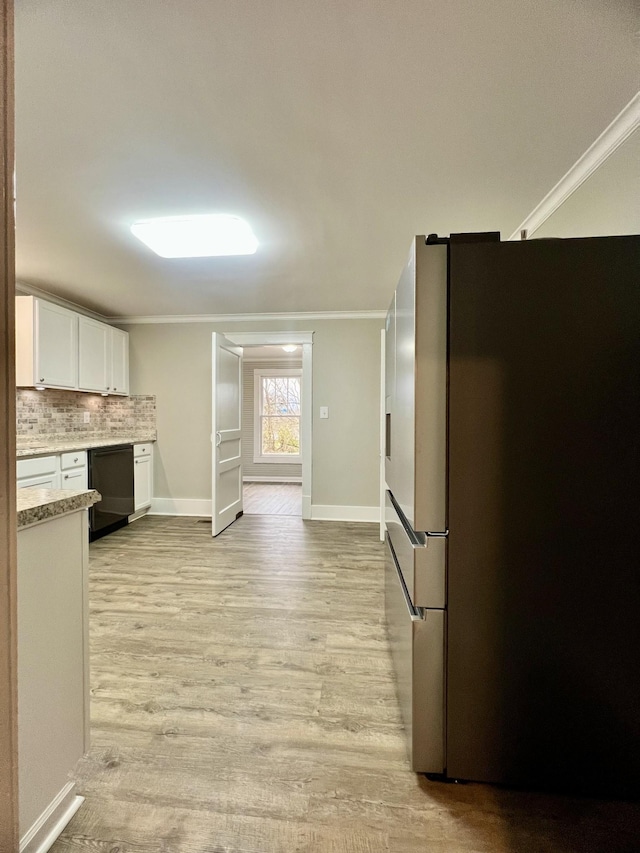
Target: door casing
(305,340)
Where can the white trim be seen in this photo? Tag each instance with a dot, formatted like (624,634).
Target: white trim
(263,339)
(252,359)
(201,508)
(197,507)
(271,459)
(306,404)
(623,125)
(138,514)
(251,479)
(134,320)
(23,288)
(345,513)
(42,834)
(306,427)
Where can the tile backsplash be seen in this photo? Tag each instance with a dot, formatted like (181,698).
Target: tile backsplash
(58,414)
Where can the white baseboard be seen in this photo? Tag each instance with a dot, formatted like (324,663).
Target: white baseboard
(138,514)
(43,833)
(181,506)
(201,508)
(345,513)
(272,479)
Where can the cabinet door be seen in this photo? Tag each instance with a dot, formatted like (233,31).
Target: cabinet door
(44,481)
(119,361)
(142,482)
(94,346)
(56,346)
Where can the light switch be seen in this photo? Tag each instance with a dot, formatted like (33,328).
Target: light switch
(324,411)
(87,417)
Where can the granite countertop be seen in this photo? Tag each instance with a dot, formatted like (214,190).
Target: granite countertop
(44,446)
(42,504)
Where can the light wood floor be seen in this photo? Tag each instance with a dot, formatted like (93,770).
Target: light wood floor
(272,498)
(243,700)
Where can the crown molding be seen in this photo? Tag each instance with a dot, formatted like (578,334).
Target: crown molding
(25,289)
(620,129)
(267,339)
(249,359)
(247,318)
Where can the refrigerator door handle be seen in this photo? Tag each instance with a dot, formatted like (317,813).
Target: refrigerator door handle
(415,613)
(417,539)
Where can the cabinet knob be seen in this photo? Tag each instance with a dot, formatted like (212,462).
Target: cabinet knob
(42,379)
(136,461)
(75,458)
(66,476)
(114,388)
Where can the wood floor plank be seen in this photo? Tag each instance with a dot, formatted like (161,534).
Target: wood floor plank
(272,498)
(243,701)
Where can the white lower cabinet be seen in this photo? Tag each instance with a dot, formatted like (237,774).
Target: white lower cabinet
(44,481)
(58,471)
(74,473)
(40,471)
(142,476)
(53,674)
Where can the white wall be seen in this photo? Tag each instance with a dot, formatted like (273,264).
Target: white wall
(607,203)
(173,361)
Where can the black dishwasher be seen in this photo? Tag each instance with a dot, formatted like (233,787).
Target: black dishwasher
(111,474)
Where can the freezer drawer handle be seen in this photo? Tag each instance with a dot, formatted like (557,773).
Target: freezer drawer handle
(416,613)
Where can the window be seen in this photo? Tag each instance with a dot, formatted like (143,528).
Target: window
(277,415)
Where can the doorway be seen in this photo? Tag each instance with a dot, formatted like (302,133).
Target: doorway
(271,416)
(276,422)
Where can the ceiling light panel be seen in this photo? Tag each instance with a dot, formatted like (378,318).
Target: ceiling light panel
(201,236)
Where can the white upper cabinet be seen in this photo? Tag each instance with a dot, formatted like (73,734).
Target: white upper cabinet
(58,348)
(103,358)
(119,361)
(46,344)
(93,355)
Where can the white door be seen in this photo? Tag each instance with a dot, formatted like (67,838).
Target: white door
(226,487)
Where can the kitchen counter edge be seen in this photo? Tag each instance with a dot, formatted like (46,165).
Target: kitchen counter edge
(35,505)
(64,446)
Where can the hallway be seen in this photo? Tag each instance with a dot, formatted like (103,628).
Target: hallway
(243,701)
(272,498)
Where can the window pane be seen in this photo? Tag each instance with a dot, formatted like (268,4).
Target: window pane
(280,395)
(280,435)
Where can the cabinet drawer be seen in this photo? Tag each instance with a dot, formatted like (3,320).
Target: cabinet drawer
(75,459)
(36,466)
(142,450)
(74,478)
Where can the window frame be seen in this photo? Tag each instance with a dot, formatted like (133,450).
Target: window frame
(278,458)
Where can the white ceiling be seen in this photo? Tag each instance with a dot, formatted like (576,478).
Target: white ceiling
(338,129)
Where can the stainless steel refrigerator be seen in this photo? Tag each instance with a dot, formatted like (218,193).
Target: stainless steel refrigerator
(513,547)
